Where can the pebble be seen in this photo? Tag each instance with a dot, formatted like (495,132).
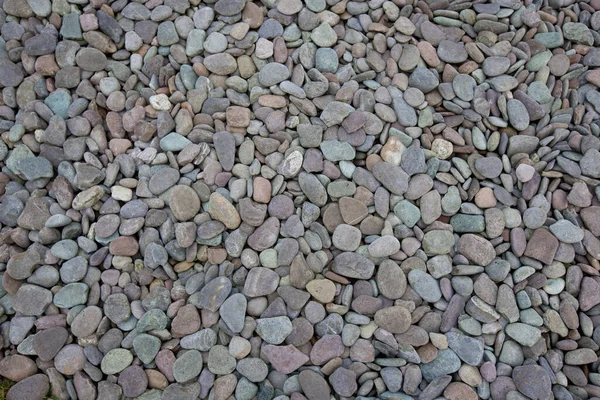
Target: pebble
(35,387)
(532,380)
(274,330)
(566,232)
(116,361)
(425,285)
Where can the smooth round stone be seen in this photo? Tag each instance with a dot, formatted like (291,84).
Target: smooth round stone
(233,312)
(438,242)
(452,52)
(220,361)
(539,92)
(184,202)
(163,180)
(524,334)
(408,213)
(260,282)
(495,66)
(187,366)
(468,223)
(423,79)
(213,294)
(532,381)
(47,343)
(343,382)
(57,221)
(117,308)
(394,319)
(534,217)
(146,347)
(477,249)
(272,74)
(425,285)
(391,280)
(322,290)
(65,249)
(464,86)
(202,340)
(216,42)
(554,286)
(489,167)
(384,246)
(566,232)
(324,35)
(414,97)
(174,142)
(32,388)
(116,361)
(525,172)
(74,270)
(334,150)
(517,114)
(71,295)
(133,380)
(326,60)
(346,237)
(274,330)
(253,369)
(70,359)
(86,322)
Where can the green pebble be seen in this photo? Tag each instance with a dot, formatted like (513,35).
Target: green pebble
(116,361)
(408,213)
(550,39)
(268,258)
(531,317)
(468,223)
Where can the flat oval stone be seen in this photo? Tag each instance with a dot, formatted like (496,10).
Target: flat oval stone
(184,202)
(314,386)
(213,294)
(260,282)
(48,342)
(222,210)
(566,232)
(425,285)
(353,265)
(391,280)
(116,361)
(394,319)
(274,330)
(71,295)
(392,177)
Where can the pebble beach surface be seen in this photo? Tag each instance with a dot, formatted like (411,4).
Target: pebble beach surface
(300,199)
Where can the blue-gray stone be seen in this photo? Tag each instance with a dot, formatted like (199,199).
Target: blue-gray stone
(464,223)
(146,347)
(326,60)
(71,295)
(71,29)
(174,142)
(335,151)
(154,319)
(446,363)
(59,102)
(407,116)
(468,349)
(35,167)
(65,249)
(187,366)
(408,213)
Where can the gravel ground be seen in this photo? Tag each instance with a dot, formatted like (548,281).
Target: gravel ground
(288,199)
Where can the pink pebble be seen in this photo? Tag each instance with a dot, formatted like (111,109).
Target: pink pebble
(88,22)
